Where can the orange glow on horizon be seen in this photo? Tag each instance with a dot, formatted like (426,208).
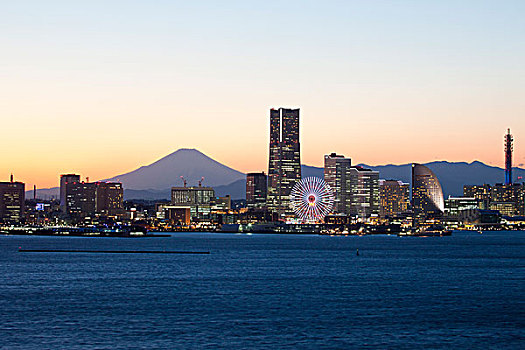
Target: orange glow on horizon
(381,83)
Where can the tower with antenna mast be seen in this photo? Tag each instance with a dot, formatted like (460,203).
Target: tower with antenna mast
(508,157)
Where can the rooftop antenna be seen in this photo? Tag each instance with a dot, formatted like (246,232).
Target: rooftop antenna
(34,192)
(183,180)
(200,181)
(12,178)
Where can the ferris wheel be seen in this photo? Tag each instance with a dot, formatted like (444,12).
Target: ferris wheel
(312,199)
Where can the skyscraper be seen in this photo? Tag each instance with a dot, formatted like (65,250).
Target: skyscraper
(12,197)
(89,198)
(256,190)
(335,171)
(80,199)
(508,158)
(364,187)
(109,198)
(356,189)
(64,180)
(394,197)
(427,195)
(284,168)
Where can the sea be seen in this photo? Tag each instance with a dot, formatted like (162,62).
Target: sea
(466,291)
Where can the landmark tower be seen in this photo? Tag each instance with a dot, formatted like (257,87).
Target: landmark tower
(284,168)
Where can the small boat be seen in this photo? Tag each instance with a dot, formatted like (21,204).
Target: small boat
(431,233)
(428,232)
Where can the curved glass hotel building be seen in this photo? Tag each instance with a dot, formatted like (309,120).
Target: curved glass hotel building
(427,195)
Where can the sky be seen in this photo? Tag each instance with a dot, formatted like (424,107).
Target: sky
(101,88)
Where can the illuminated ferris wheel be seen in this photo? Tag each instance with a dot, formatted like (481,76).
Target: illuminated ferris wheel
(312,199)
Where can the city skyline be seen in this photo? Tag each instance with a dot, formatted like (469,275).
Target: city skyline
(262,174)
(54,183)
(125,85)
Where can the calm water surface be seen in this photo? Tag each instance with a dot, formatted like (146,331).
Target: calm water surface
(265,291)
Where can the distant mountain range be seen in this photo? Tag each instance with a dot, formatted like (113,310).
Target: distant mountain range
(451,175)
(154,181)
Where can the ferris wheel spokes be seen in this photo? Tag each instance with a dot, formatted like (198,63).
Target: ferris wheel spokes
(312,199)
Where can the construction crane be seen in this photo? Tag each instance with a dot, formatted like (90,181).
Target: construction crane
(183,180)
(200,181)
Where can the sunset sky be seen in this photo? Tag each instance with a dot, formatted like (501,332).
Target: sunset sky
(102,87)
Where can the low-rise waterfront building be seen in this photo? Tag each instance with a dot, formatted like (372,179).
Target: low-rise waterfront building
(482,217)
(482,193)
(505,208)
(509,198)
(222,203)
(174,215)
(509,193)
(455,205)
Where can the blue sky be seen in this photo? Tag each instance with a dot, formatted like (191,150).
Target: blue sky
(133,81)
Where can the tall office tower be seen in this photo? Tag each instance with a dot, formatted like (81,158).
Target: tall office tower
(80,199)
(364,187)
(427,195)
(89,198)
(12,198)
(284,168)
(335,171)
(65,179)
(256,190)
(109,199)
(508,158)
(394,197)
